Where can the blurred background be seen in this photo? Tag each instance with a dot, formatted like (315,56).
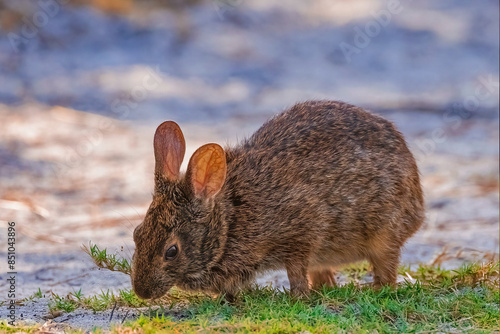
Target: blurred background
(84,83)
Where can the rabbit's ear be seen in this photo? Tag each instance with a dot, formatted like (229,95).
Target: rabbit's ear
(169,147)
(207,170)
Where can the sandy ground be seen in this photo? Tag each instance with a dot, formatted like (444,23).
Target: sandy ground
(76,129)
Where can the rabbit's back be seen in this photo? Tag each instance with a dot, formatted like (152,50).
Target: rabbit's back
(327,175)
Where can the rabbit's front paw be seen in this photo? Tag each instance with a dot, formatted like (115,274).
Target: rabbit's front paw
(297,275)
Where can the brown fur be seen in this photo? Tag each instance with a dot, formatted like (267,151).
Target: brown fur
(321,184)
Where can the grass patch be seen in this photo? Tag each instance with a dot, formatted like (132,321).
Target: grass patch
(38,294)
(466,299)
(431,300)
(100,302)
(104,260)
(5,328)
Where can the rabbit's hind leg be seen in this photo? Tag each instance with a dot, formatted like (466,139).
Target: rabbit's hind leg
(322,277)
(385,266)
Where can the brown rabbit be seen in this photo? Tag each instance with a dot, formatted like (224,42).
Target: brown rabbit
(321,184)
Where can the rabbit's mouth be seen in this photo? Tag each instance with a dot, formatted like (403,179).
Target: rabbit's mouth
(154,294)
(150,292)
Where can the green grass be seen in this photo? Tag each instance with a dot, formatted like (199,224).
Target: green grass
(465,300)
(432,300)
(4,328)
(104,260)
(100,302)
(36,295)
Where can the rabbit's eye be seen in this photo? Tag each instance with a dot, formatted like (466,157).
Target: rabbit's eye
(171,252)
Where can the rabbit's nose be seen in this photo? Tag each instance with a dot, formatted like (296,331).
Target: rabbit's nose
(142,291)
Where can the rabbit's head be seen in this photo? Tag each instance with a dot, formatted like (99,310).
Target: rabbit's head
(180,237)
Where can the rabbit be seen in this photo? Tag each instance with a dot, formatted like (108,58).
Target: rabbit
(322,184)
